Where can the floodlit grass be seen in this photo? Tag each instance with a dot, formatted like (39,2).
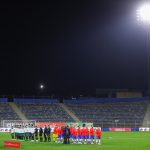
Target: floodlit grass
(110,141)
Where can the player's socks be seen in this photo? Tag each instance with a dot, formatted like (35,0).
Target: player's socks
(80,141)
(61,140)
(96,141)
(72,140)
(89,141)
(93,141)
(99,142)
(76,141)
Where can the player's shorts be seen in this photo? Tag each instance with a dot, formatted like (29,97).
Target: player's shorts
(79,136)
(98,137)
(92,137)
(60,136)
(71,136)
(74,136)
(83,137)
(86,137)
(55,135)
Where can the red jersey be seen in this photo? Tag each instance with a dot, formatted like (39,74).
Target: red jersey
(86,132)
(83,131)
(91,131)
(55,130)
(79,131)
(98,132)
(75,132)
(59,131)
(71,130)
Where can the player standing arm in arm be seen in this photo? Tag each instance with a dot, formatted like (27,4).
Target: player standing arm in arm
(98,136)
(92,135)
(59,131)
(55,134)
(86,135)
(79,135)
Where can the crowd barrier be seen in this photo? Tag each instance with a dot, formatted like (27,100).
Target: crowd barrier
(120,129)
(32,101)
(103,100)
(142,129)
(3,100)
(51,124)
(82,100)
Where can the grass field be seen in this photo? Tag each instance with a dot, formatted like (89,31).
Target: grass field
(110,141)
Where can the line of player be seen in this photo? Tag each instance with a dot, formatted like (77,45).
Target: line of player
(79,135)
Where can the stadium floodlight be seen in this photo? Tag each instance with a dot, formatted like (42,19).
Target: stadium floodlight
(41,86)
(143,13)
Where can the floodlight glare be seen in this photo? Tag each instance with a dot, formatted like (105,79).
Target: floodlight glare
(143,14)
(41,86)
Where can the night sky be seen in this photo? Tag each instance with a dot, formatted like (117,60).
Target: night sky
(71,46)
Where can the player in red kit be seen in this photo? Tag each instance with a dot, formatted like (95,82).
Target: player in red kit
(82,134)
(71,132)
(75,134)
(79,135)
(55,134)
(86,134)
(59,131)
(92,135)
(98,136)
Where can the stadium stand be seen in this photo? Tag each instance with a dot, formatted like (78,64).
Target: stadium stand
(104,112)
(44,112)
(6,112)
(107,113)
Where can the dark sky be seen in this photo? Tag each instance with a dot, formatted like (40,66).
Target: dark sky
(72,46)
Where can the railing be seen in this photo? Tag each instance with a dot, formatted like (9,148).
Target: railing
(113,124)
(120,124)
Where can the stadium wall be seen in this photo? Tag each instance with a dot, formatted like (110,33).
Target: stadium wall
(129,94)
(106,100)
(3,100)
(26,100)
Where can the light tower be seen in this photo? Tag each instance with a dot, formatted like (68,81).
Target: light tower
(143,18)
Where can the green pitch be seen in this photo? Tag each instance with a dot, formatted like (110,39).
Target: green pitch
(110,141)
